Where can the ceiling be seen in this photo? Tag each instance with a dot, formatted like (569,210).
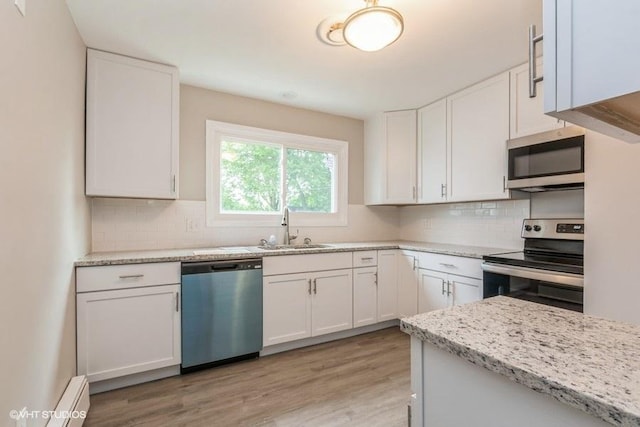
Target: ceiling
(270,50)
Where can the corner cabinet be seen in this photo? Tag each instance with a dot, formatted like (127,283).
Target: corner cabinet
(132,127)
(390,158)
(477,131)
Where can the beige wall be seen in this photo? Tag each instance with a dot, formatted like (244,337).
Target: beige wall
(612,239)
(44,217)
(197,105)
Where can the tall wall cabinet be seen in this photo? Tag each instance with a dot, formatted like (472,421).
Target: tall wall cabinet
(132,127)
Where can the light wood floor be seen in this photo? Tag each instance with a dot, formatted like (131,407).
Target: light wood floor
(358,381)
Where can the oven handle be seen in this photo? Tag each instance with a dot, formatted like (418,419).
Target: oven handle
(567,279)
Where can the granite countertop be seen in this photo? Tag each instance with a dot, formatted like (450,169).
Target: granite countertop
(241,252)
(590,363)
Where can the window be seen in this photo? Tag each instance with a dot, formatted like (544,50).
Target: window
(252,174)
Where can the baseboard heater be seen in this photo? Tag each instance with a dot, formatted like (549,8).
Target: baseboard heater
(73,405)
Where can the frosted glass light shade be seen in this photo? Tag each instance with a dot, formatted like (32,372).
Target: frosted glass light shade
(373,28)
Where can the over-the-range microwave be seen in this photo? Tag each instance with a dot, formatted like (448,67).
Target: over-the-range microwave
(545,161)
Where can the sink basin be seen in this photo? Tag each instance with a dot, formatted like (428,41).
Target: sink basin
(292,247)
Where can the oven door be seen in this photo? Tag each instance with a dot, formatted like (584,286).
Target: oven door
(545,287)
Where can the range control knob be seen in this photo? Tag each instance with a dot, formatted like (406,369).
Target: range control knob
(537,228)
(527,227)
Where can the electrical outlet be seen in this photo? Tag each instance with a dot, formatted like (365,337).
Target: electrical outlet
(192,224)
(22,6)
(427,224)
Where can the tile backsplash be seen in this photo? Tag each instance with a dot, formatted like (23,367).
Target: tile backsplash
(131,224)
(493,224)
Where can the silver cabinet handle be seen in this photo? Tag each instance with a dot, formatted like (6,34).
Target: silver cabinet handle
(444,264)
(369,258)
(448,288)
(173,184)
(443,190)
(443,287)
(375,278)
(131,276)
(177,301)
(414,192)
(315,286)
(533,79)
(504,183)
(414,262)
(309,286)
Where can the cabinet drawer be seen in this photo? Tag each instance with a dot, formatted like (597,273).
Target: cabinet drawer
(286,264)
(462,266)
(89,279)
(365,258)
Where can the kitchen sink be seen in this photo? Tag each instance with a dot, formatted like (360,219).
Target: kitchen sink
(292,247)
(220,251)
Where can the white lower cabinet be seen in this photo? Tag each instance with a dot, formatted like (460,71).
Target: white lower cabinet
(441,290)
(388,285)
(303,305)
(365,296)
(128,331)
(128,319)
(407,283)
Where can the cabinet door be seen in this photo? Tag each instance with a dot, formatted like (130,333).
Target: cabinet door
(400,144)
(332,302)
(527,115)
(286,308)
(128,331)
(387,285)
(132,127)
(407,284)
(432,153)
(464,290)
(365,296)
(478,119)
(432,292)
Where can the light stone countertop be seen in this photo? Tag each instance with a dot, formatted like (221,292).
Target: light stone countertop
(241,252)
(587,362)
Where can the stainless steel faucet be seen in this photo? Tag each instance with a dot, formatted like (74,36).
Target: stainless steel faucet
(285,223)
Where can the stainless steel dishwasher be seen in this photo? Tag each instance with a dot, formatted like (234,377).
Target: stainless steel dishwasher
(221,312)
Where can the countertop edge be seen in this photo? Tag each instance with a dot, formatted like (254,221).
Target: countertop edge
(586,403)
(186,255)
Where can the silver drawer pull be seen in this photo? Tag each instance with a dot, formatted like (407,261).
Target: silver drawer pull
(369,258)
(131,276)
(444,264)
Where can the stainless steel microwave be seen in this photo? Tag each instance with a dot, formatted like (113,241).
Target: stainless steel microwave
(545,161)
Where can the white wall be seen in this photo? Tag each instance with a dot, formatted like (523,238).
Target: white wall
(43,213)
(558,204)
(612,238)
(122,224)
(489,224)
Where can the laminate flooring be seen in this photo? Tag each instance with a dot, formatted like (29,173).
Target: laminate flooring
(357,381)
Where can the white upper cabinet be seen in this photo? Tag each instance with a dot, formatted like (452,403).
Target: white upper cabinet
(478,128)
(591,65)
(132,127)
(527,115)
(432,153)
(390,158)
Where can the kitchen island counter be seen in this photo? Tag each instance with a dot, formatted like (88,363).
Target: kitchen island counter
(588,363)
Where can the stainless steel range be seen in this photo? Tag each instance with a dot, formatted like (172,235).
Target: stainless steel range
(549,270)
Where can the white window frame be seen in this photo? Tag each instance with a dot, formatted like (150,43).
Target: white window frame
(216,131)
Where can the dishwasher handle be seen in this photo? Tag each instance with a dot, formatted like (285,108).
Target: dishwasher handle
(221,266)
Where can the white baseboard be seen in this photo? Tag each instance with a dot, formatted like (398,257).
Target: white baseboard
(73,405)
(279,348)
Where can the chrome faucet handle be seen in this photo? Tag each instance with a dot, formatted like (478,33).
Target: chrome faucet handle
(294,236)
(263,242)
(307,241)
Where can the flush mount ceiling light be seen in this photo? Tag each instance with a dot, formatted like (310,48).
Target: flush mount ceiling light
(369,29)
